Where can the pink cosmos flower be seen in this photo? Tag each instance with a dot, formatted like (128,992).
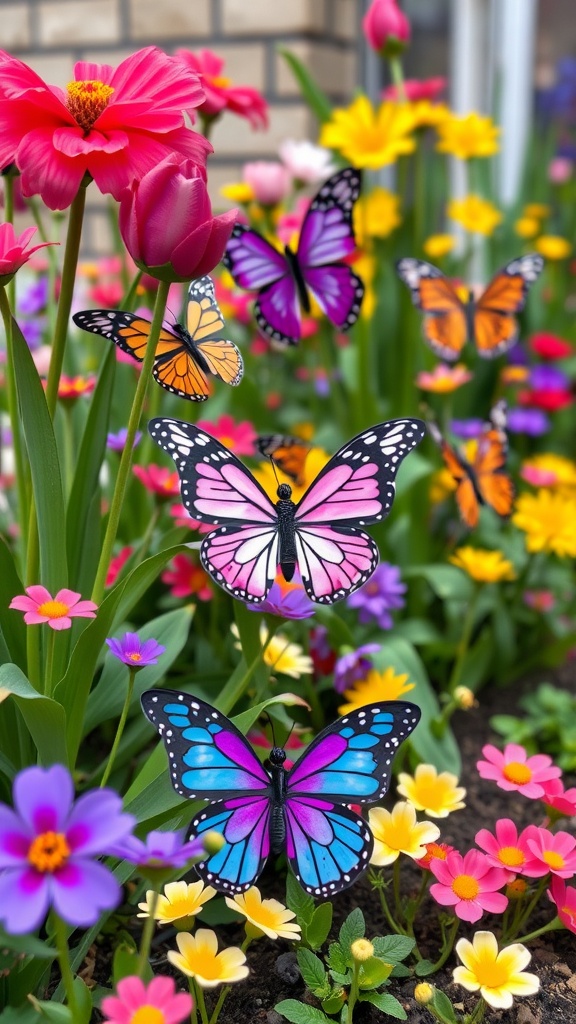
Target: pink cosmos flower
(417,89)
(563,801)
(186,577)
(538,477)
(220,94)
(469,884)
(182,517)
(565,899)
(57,611)
(514,770)
(114,124)
(158,480)
(13,250)
(116,565)
(238,437)
(269,181)
(156,1001)
(507,849)
(554,851)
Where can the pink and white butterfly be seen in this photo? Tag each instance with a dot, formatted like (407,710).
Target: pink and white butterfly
(320,534)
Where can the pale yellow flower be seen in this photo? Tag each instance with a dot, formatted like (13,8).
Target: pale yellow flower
(376,687)
(198,957)
(468,136)
(553,247)
(284,656)
(497,975)
(438,794)
(424,993)
(437,246)
(269,917)
(549,522)
(397,832)
(465,698)
(178,900)
(482,565)
(475,214)
(370,137)
(376,215)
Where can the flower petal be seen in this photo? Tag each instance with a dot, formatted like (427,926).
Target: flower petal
(43,797)
(24,899)
(82,890)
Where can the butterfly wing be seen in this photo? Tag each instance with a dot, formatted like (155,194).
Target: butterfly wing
(205,325)
(445,327)
(289,453)
(258,266)
(467,497)
(494,483)
(495,327)
(328,845)
(354,489)
(209,759)
(128,331)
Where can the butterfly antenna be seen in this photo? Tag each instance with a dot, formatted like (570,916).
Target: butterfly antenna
(271,724)
(271,457)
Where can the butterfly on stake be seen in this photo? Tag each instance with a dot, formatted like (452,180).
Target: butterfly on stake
(302,811)
(490,321)
(286,452)
(320,534)
(484,480)
(286,280)
(185,356)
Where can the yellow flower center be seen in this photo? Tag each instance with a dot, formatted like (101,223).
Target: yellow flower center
(511,856)
(48,851)
(87,100)
(221,82)
(135,656)
(553,860)
(53,609)
(228,441)
(491,974)
(148,1015)
(466,887)
(517,772)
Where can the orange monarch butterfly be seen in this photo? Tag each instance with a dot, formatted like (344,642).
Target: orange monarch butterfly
(488,321)
(289,454)
(484,481)
(184,355)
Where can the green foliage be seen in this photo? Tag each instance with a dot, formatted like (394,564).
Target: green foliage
(549,724)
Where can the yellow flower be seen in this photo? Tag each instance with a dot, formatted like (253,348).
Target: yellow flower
(549,522)
(238,192)
(537,210)
(376,215)
(437,246)
(266,477)
(269,917)
(514,374)
(527,227)
(443,379)
(482,565)
(365,266)
(442,485)
(376,687)
(475,214)
(368,137)
(199,958)
(427,114)
(436,794)
(558,471)
(465,698)
(468,136)
(424,993)
(498,975)
(179,900)
(553,247)
(284,656)
(397,832)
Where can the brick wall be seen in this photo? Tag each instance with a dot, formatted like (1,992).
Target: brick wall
(51,35)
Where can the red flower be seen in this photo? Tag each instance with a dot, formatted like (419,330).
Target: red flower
(114,124)
(158,480)
(548,400)
(13,252)
(550,346)
(386,28)
(220,94)
(417,89)
(185,577)
(167,224)
(71,388)
(116,565)
(240,438)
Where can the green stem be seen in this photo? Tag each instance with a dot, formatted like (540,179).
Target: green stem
(64,963)
(147,933)
(68,448)
(121,725)
(477,1013)
(12,400)
(232,691)
(201,1003)
(49,667)
(531,904)
(127,454)
(448,945)
(221,999)
(552,926)
(396,887)
(353,994)
(397,75)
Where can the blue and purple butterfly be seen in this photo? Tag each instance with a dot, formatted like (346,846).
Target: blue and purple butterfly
(260,811)
(320,534)
(285,281)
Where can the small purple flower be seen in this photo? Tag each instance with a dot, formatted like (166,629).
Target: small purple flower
(35,297)
(467,430)
(33,331)
(117,442)
(135,652)
(383,592)
(47,848)
(160,851)
(352,666)
(533,422)
(288,600)
(548,378)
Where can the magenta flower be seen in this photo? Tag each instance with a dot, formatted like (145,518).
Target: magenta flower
(554,852)
(14,250)
(47,848)
(220,94)
(156,1002)
(352,666)
(377,598)
(135,652)
(565,899)
(114,124)
(514,770)
(117,442)
(287,600)
(468,883)
(507,849)
(167,225)
(562,801)
(240,438)
(57,611)
(186,578)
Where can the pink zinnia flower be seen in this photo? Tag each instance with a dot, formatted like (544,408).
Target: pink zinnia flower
(554,851)
(220,94)
(565,899)
(240,438)
(514,770)
(185,577)
(158,1001)
(57,611)
(469,884)
(114,124)
(507,849)
(158,480)
(182,517)
(14,250)
(563,801)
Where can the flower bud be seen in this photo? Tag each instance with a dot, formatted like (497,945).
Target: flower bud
(464,698)
(424,993)
(362,949)
(386,28)
(213,842)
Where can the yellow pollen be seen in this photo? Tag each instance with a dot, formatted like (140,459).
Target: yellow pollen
(518,772)
(135,656)
(553,860)
(148,1015)
(53,609)
(220,82)
(511,856)
(228,441)
(437,851)
(49,851)
(87,100)
(466,887)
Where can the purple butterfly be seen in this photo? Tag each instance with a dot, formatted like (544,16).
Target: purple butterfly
(259,810)
(320,534)
(284,280)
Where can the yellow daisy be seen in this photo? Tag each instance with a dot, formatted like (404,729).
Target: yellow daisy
(497,975)
(437,246)
(559,471)
(368,137)
(266,477)
(537,210)
(527,227)
(283,656)
(468,136)
(376,687)
(553,247)
(438,794)
(376,215)
(198,957)
(397,832)
(267,917)
(549,522)
(238,192)
(442,485)
(427,114)
(475,214)
(482,565)
(179,900)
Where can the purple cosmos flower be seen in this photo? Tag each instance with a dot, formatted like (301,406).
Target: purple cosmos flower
(533,422)
(160,850)
(117,442)
(383,592)
(352,666)
(288,600)
(467,430)
(47,848)
(135,652)
(548,378)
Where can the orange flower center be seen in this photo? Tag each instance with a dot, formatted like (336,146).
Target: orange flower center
(49,851)
(219,81)
(87,100)
(466,887)
(553,860)
(518,772)
(53,609)
(135,656)
(148,1015)
(228,441)
(511,856)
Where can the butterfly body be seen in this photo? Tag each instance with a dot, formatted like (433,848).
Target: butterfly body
(258,810)
(287,552)
(292,261)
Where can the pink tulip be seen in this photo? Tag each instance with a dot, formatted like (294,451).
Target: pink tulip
(270,181)
(386,28)
(167,224)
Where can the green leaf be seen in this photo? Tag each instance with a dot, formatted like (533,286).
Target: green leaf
(335,1001)
(246,719)
(83,1002)
(297,900)
(442,1003)
(25,1014)
(125,963)
(374,972)
(447,581)
(354,927)
(423,968)
(300,1013)
(12,624)
(28,944)
(315,98)
(384,1002)
(55,1012)
(45,718)
(393,948)
(313,973)
(320,925)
